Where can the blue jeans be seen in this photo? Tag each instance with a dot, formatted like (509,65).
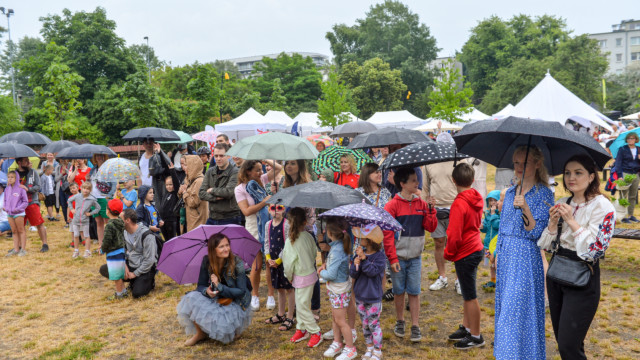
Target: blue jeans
(236,220)
(408,278)
(4,226)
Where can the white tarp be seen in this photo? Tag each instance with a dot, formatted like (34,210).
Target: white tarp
(505,112)
(399,119)
(251,123)
(278,117)
(635,116)
(432,125)
(473,116)
(308,123)
(550,101)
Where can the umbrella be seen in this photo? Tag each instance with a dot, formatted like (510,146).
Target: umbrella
(56,146)
(387,136)
(330,158)
(208,136)
(620,141)
(353,128)
(315,139)
(182,256)
(85,151)
(118,170)
(494,141)
(422,153)
(273,145)
(153,133)
(184,138)
(13,150)
(362,214)
(25,138)
(317,194)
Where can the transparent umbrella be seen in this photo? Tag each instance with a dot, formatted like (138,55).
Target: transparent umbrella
(118,170)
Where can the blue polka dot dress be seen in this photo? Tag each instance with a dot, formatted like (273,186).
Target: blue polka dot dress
(520,312)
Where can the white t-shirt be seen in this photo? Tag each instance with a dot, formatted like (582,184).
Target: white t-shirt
(144,170)
(3,214)
(634,152)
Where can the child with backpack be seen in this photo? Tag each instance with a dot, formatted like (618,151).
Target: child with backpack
(336,272)
(490,227)
(80,206)
(113,247)
(146,210)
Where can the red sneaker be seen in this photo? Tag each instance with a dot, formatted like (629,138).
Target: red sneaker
(299,336)
(316,339)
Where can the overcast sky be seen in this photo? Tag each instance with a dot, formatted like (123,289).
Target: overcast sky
(186,31)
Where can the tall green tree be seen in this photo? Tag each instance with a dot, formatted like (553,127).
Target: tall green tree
(450,99)
(204,91)
(9,116)
(336,101)
(140,51)
(623,90)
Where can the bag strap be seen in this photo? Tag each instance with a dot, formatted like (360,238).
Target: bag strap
(555,246)
(378,196)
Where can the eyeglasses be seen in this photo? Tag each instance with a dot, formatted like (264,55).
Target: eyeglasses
(276,208)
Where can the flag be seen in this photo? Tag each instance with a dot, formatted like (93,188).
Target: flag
(226,76)
(604,94)
(408,94)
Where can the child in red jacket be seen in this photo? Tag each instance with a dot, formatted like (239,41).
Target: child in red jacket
(464,248)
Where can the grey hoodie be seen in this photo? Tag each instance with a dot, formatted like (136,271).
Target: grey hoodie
(83,205)
(140,253)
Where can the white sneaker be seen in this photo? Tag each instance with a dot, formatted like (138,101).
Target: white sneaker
(354,334)
(439,284)
(348,354)
(255,303)
(33,228)
(458,289)
(334,349)
(271,303)
(87,254)
(22,252)
(76,253)
(328,335)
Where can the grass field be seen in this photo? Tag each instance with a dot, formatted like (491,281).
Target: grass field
(56,307)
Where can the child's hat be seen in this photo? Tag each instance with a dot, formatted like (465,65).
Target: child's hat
(115,206)
(371,232)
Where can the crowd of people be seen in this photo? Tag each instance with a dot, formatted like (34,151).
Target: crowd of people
(448,202)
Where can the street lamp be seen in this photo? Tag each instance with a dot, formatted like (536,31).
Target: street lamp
(148,59)
(10,12)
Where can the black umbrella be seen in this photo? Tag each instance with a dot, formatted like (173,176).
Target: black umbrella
(153,133)
(495,141)
(353,128)
(387,136)
(13,150)
(25,138)
(85,151)
(317,194)
(57,146)
(422,153)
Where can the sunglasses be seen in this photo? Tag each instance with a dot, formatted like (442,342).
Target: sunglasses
(276,208)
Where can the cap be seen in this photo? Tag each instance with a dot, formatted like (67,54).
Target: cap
(115,206)
(182,146)
(371,232)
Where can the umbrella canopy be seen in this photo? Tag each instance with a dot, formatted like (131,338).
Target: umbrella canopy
(432,125)
(57,146)
(273,145)
(317,194)
(117,170)
(362,214)
(315,139)
(85,151)
(153,133)
(13,150)
(208,136)
(182,256)
(353,128)
(620,141)
(494,141)
(25,138)
(330,158)
(386,137)
(422,153)
(184,138)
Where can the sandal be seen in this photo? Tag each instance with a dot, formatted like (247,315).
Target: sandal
(287,324)
(279,320)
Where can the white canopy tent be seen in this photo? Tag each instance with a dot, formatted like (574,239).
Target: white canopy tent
(308,123)
(474,115)
(550,101)
(505,112)
(432,126)
(399,119)
(251,123)
(277,117)
(634,116)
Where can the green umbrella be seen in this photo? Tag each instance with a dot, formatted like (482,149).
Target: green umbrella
(330,158)
(273,145)
(184,138)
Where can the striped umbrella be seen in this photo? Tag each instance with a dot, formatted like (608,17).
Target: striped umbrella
(330,158)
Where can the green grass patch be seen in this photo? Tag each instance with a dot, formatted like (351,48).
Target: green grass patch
(33,316)
(68,351)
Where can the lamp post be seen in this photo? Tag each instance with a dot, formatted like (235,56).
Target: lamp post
(148,59)
(10,12)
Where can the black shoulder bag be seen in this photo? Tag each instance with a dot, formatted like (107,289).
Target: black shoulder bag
(566,271)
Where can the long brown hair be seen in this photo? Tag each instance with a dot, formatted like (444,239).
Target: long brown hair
(297,220)
(216,264)
(303,174)
(247,166)
(588,164)
(337,228)
(364,182)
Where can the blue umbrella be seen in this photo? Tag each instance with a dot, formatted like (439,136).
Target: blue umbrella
(620,142)
(362,214)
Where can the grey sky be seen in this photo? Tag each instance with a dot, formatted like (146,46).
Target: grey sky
(198,30)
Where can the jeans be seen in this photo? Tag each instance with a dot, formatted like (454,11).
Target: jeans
(237,220)
(63,198)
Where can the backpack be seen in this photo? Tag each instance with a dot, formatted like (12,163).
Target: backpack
(159,242)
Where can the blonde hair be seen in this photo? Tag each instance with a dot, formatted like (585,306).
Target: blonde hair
(535,154)
(87,185)
(352,162)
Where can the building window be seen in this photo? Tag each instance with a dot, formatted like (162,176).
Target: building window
(635,56)
(619,42)
(602,43)
(635,40)
(619,57)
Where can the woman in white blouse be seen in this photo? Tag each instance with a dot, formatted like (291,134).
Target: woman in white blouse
(589,219)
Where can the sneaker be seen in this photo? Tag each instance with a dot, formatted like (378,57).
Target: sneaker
(328,335)
(439,284)
(354,335)
(45,248)
(315,340)
(633,219)
(87,254)
(76,253)
(13,252)
(322,281)
(489,285)
(22,252)
(459,334)
(416,335)
(33,228)
(626,221)
(298,336)
(388,295)
(255,303)
(399,329)
(469,342)
(334,349)
(458,289)
(348,353)
(115,296)
(271,303)
(367,355)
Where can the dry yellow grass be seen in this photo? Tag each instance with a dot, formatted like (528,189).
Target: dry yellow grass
(55,307)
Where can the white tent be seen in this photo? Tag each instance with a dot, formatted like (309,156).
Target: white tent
(432,125)
(635,116)
(308,123)
(505,112)
(550,101)
(399,119)
(277,117)
(251,123)
(474,115)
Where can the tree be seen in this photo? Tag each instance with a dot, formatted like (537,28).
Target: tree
(9,116)
(226,66)
(140,51)
(374,86)
(623,90)
(336,101)
(204,90)
(277,100)
(450,99)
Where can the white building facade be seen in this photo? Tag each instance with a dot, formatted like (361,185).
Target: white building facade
(621,45)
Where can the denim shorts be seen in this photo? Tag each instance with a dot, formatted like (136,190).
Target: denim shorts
(4,226)
(408,279)
(466,269)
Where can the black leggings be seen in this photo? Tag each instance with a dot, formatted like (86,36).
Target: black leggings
(140,285)
(572,310)
(169,229)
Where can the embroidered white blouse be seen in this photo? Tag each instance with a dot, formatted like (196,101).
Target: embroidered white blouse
(596,217)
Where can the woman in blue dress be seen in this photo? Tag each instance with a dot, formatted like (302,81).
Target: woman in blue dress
(520,310)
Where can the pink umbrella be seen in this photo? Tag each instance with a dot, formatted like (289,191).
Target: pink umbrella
(208,136)
(315,139)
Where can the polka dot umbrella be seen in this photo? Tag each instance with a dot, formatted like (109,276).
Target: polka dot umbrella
(330,158)
(422,153)
(118,170)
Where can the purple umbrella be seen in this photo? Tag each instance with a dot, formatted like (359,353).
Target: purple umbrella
(182,256)
(364,214)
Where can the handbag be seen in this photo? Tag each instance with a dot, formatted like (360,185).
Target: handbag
(442,213)
(566,271)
